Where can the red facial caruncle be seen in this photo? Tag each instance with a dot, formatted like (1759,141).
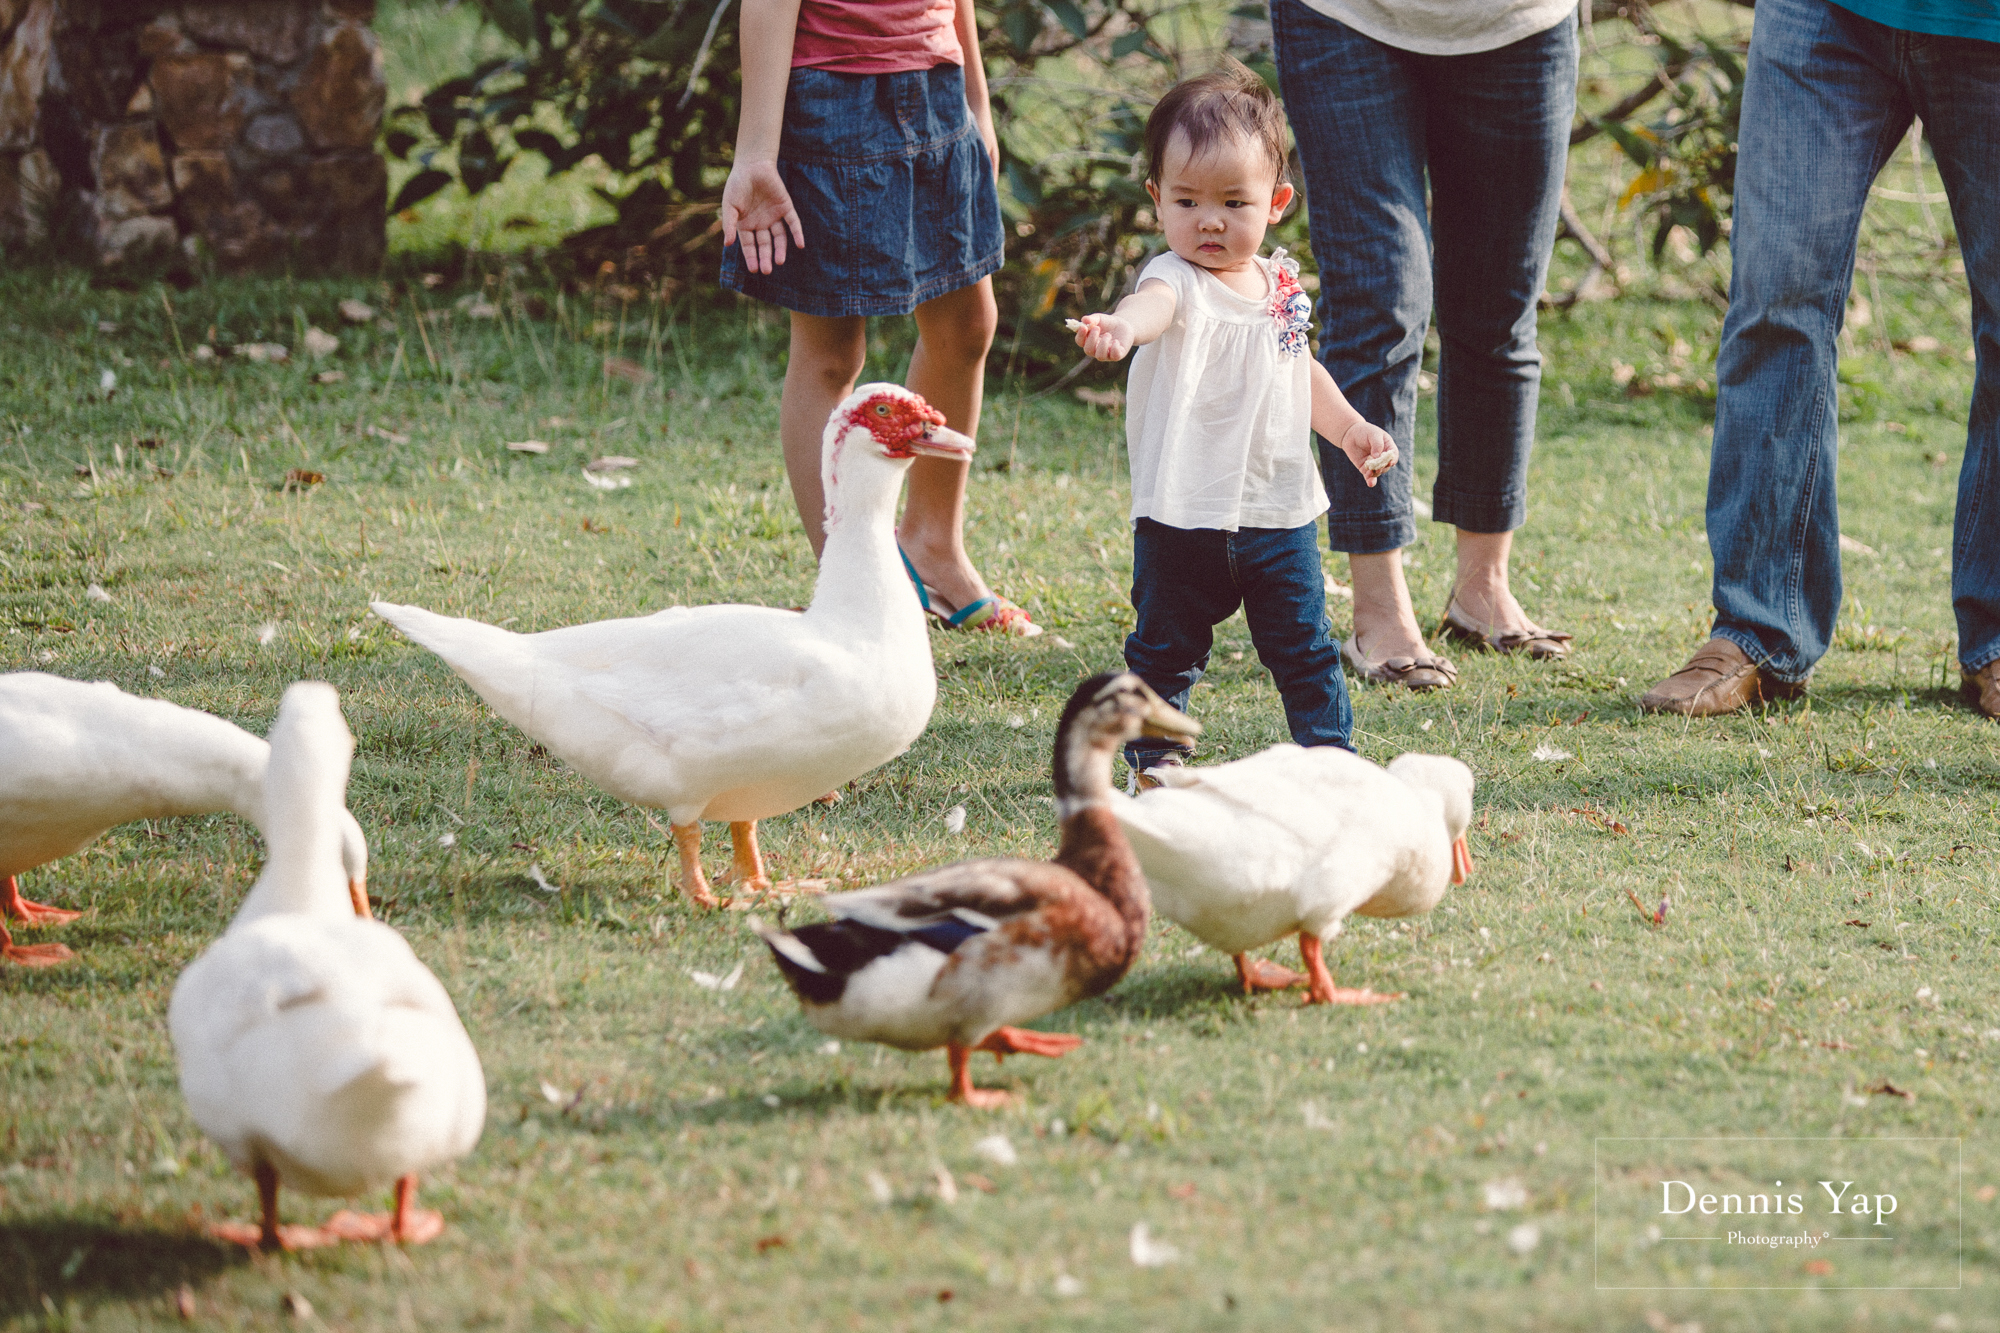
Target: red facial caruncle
(896,421)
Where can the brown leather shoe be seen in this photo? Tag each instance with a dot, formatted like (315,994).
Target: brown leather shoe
(1982,688)
(1419,675)
(1719,678)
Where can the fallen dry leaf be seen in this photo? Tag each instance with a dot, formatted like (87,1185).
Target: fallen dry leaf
(391,436)
(610,463)
(617,367)
(356,312)
(318,342)
(330,377)
(1887,1089)
(302,479)
(766,1244)
(262,352)
(1848,543)
(528,446)
(95,593)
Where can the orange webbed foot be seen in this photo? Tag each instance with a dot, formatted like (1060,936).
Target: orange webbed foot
(251,1236)
(15,907)
(1261,974)
(983,1099)
(37,955)
(1003,1042)
(420,1226)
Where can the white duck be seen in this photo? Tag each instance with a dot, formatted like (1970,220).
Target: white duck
(1295,840)
(313,1046)
(738,712)
(76,759)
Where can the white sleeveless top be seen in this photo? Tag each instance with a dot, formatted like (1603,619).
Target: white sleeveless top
(1218,415)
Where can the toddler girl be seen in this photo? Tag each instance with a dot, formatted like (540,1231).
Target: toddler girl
(1223,396)
(864,184)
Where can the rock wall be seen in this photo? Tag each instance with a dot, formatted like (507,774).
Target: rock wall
(246,127)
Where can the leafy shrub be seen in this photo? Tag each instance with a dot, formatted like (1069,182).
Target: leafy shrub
(647,87)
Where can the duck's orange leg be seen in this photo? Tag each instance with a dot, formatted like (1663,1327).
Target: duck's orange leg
(32,955)
(268,1235)
(984,1099)
(1003,1042)
(694,884)
(13,905)
(1322,990)
(357,890)
(1263,974)
(407,1225)
(746,866)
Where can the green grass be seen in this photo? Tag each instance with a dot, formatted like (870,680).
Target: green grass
(1542,1011)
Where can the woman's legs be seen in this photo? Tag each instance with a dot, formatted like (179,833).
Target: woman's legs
(1498,131)
(826,358)
(948,368)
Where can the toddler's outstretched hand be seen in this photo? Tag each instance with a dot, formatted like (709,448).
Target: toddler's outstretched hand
(1105,337)
(1370,449)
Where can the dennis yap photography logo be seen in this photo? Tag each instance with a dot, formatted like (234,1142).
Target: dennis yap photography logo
(1860,1203)
(1777,1213)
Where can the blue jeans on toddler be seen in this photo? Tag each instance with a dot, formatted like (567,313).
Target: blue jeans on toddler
(1827,97)
(1186,581)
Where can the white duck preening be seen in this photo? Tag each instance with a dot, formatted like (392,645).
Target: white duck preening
(313,1046)
(732,712)
(77,759)
(1295,840)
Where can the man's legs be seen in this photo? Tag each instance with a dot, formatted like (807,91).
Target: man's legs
(1957,92)
(1822,111)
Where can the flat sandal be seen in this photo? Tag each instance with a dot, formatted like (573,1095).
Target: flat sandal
(1420,675)
(1543,645)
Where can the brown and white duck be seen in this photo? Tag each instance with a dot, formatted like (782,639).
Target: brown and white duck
(956,956)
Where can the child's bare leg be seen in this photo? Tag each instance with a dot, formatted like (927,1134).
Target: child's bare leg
(1385,624)
(948,368)
(826,358)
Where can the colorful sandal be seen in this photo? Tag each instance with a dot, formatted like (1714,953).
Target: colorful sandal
(993,613)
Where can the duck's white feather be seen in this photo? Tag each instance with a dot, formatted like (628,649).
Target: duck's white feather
(1288,840)
(77,759)
(307,1038)
(324,1047)
(727,712)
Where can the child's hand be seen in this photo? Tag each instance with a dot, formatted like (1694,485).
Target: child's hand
(757,209)
(1370,449)
(1105,337)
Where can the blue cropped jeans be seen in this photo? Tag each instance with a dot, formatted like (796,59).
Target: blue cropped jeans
(1186,581)
(1488,133)
(1827,98)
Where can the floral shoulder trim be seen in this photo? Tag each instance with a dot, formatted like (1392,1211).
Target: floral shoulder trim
(1291,308)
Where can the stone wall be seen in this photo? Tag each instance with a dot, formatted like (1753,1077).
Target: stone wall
(245,127)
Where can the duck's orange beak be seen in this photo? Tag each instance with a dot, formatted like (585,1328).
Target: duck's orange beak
(1461,860)
(941,441)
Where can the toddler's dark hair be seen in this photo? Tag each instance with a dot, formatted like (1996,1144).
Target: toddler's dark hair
(1226,102)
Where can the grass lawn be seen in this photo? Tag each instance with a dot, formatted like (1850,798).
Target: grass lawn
(659,1155)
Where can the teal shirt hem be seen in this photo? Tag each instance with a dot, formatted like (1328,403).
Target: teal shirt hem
(1979,19)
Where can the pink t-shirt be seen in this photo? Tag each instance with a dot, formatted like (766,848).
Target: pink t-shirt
(883,37)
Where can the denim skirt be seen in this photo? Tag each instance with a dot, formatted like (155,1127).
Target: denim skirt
(894,192)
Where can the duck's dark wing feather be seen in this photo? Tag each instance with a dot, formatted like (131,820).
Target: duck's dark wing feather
(971,895)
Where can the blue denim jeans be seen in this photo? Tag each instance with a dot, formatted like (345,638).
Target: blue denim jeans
(1186,581)
(1490,131)
(1827,98)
